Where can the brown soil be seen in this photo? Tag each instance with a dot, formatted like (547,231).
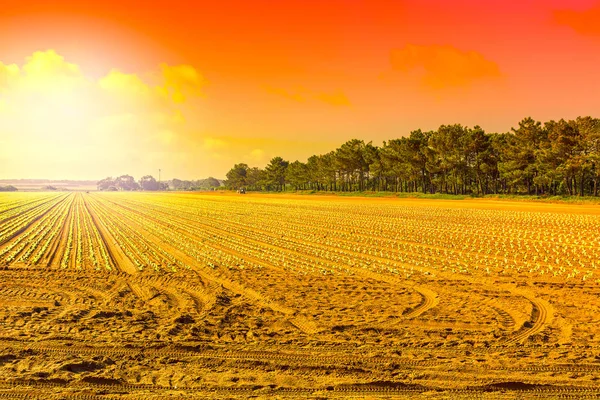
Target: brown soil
(224,296)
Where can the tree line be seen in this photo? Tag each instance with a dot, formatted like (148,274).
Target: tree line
(553,158)
(209,183)
(149,183)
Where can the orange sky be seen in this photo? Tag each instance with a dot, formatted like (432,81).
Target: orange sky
(90,89)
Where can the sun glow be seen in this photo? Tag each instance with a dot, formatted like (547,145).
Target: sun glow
(50,111)
(262,79)
(60,114)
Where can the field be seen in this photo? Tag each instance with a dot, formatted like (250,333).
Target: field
(115,295)
(41,184)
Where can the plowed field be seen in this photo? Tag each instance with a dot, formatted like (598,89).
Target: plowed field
(116,295)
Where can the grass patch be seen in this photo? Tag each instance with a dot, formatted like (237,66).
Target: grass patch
(545,199)
(443,196)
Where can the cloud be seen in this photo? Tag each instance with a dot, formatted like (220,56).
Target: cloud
(8,74)
(211,143)
(181,81)
(443,66)
(335,99)
(124,84)
(257,151)
(173,85)
(301,94)
(584,22)
(43,64)
(47,71)
(298,94)
(256,156)
(49,103)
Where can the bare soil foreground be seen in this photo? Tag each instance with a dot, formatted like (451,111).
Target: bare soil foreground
(153,296)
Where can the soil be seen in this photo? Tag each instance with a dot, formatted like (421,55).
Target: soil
(273,296)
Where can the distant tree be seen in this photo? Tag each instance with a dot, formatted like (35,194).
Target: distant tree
(148,183)
(8,188)
(555,158)
(351,158)
(297,175)
(275,173)
(323,171)
(127,183)
(376,168)
(208,183)
(105,183)
(519,164)
(236,177)
(446,161)
(255,178)
(590,135)
(479,158)
(395,158)
(177,184)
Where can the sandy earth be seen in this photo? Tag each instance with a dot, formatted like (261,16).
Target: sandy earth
(230,296)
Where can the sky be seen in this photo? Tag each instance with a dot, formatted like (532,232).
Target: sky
(105,88)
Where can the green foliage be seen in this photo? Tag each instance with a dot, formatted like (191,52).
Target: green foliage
(123,182)
(148,183)
(275,173)
(236,177)
(209,183)
(557,158)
